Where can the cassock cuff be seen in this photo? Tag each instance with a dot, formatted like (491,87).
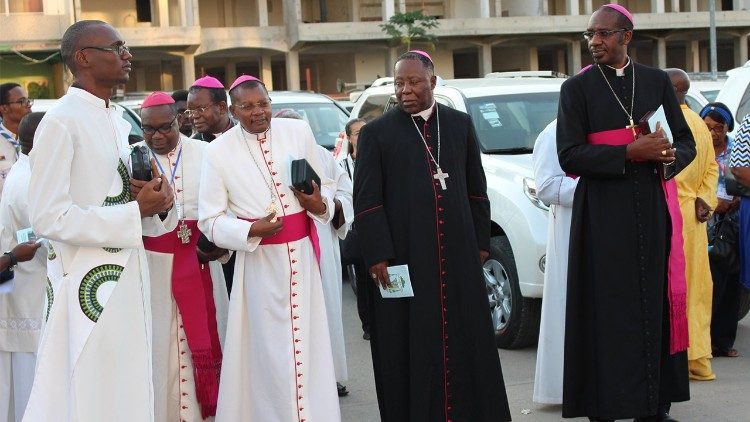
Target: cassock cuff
(327,216)
(154,226)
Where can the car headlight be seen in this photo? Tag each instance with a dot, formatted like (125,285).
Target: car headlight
(529,189)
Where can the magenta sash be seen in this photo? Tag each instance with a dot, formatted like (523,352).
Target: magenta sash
(296,226)
(192,289)
(677,286)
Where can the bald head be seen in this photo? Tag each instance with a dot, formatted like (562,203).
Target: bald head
(27,129)
(680,83)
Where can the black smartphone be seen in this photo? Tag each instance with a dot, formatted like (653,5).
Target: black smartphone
(140,160)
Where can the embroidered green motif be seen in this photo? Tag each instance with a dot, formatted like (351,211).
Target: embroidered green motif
(50,299)
(91,282)
(122,198)
(51,255)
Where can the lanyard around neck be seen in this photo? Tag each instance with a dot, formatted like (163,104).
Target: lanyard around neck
(174,170)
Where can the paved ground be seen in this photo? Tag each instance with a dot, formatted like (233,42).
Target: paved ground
(726,399)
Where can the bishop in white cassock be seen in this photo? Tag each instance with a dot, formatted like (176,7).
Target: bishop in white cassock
(557,189)
(22,309)
(188,295)
(277,364)
(94,361)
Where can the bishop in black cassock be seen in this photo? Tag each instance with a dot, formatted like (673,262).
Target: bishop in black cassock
(617,341)
(434,354)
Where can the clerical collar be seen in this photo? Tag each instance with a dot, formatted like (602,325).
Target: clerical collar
(89,97)
(426,113)
(620,71)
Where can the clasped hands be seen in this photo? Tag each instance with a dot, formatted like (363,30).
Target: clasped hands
(153,197)
(651,147)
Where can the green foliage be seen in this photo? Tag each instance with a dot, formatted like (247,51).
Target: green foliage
(404,28)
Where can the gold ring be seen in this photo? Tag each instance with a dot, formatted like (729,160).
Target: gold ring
(664,152)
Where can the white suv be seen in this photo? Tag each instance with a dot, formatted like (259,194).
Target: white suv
(508,114)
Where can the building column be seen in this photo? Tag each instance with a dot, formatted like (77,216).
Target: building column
(355,10)
(167,78)
(230,72)
(140,78)
(740,50)
(675,5)
(657,6)
(485,59)
(401,6)
(162,7)
(390,60)
(692,56)
(574,57)
(661,53)
(572,7)
(533,58)
(266,75)
(588,7)
(228,13)
(387,9)
(262,13)
(292,70)
(498,8)
(188,69)
(484,8)
(560,61)
(693,6)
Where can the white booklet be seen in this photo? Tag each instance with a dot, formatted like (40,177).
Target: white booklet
(400,283)
(660,117)
(25,235)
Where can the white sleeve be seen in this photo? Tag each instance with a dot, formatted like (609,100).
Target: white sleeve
(52,212)
(553,186)
(224,231)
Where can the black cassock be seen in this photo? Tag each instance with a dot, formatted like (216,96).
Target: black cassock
(434,355)
(617,361)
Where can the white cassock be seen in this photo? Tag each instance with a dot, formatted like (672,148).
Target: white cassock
(8,153)
(174,381)
(22,309)
(94,360)
(277,364)
(330,260)
(557,189)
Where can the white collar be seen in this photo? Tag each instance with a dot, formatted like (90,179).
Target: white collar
(89,97)
(620,71)
(5,129)
(426,113)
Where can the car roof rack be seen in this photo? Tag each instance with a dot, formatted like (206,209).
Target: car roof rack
(527,74)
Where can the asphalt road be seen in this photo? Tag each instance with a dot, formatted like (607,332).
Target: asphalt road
(725,399)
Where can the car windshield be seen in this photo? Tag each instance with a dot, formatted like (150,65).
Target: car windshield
(710,94)
(510,124)
(325,119)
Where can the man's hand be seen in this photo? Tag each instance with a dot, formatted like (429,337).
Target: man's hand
(379,274)
(652,147)
(206,257)
(154,196)
(265,228)
(483,255)
(722,206)
(702,210)
(25,251)
(312,202)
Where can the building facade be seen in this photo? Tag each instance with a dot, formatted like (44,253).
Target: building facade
(312,44)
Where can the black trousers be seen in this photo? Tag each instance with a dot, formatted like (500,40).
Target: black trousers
(363,281)
(228,270)
(725,309)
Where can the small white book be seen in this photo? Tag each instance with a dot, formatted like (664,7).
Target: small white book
(25,235)
(659,116)
(400,283)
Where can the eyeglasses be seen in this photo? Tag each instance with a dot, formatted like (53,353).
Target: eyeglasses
(250,106)
(120,49)
(717,129)
(602,33)
(163,129)
(191,113)
(23,101)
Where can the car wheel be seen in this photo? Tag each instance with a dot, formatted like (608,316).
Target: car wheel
(514,317)
(351,272)
(744,303)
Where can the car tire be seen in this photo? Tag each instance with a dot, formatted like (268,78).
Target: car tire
(744,303)
(351,272)
(515,318)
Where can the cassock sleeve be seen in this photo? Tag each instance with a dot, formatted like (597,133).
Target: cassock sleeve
(52,212)
(575,154)
(552,185)
(476,186)
(224,231)
(683,140)
(344,195)
(370,219)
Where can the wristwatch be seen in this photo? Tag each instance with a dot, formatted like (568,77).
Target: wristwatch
(13,260)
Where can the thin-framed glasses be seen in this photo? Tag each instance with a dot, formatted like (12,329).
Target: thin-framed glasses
(163,129)
(717,129)
(120,49)
(602,33)
(263,105)
(191,113)
(23,101)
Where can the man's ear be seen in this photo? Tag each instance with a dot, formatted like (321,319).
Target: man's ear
(223,107)
(81,59)
(433,81)
(627,36)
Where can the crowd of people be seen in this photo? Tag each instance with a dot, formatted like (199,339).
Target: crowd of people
(193,276)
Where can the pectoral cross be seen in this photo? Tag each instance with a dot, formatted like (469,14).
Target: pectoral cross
(441,177)
(184,233)
(632,127)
